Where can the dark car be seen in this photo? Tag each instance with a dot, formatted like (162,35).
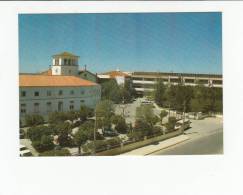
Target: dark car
(109,132)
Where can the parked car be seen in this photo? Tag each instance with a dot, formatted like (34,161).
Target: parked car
(21,134)
(146,102)
(179,124)
(109,132)
(24,151)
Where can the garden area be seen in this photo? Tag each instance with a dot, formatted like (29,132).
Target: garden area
(89,131)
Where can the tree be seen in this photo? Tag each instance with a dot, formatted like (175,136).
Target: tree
(121,125)
(84,113)
(143,127)
(145,112)
(44,144)
(35,133)
(162,115)
(130,92)
(62,152)
(47,142)
(111,91)
(104,112)
(64,137)
(80,137)
(171,123)
(33,120)
(159,92)
(71,115)
(57,117)
(170,94)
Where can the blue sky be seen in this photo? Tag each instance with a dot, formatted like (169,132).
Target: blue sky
(178,42)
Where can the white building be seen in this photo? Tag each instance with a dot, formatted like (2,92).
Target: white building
(146,81)
(119,76)
(62,90)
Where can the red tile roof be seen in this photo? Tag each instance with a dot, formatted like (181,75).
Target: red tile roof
(47,72)
(52,81)
(67,54)
(114,74)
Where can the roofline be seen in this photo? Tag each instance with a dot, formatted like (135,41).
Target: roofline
(65,55)
(79,71)
(141,73)
(96,84)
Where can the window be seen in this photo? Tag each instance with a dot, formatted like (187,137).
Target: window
(60,92)
(203,81)
(69,61)
(69,71)
(65,61)
(218,82)
(56,62)
(82,92)
(23,108)
(36,93)
(189,80)
(48,107)
(36,107)
(48,93)
(23,93)
(71,92)
(71,107)
(60,106)
(82,101)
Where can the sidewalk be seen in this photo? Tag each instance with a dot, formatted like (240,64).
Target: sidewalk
(146,150)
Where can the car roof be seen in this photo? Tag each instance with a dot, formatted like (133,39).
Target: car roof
(25,151)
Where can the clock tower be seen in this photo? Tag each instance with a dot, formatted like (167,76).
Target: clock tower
(65,64)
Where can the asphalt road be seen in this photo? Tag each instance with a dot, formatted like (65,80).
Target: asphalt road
(210,144)
(206,137)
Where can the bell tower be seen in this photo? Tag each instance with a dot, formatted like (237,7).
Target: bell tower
(65,64)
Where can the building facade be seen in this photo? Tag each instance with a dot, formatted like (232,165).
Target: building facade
(59,90)
(145,81)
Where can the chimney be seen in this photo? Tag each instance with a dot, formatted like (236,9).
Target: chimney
(85,67)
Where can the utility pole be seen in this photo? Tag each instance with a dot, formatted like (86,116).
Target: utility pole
(184,109)
(95,132)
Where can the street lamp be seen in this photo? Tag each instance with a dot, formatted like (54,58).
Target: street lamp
(184,109)
(95,124)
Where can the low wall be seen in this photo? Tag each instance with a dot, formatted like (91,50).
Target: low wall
(132,146)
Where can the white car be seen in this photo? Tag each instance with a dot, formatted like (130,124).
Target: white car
(179,124)
(146,102)
(24,151)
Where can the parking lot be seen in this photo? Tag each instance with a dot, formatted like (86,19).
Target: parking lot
(129,110)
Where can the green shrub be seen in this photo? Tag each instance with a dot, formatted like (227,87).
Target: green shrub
(44,144)
(114,141)
(62,152)
(35,133)
(33,120)
(121,125)
(57,117)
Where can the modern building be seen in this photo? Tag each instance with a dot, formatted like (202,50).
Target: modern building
(145,81)
(58,89)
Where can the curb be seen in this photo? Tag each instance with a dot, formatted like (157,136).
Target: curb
(167,146)
(174,142)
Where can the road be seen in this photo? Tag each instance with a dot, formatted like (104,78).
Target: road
(206,137)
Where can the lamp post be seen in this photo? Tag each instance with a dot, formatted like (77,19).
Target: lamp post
(95,131)
(184,109)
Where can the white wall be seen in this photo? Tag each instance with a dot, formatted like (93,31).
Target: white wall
(64,70)
(90,95)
